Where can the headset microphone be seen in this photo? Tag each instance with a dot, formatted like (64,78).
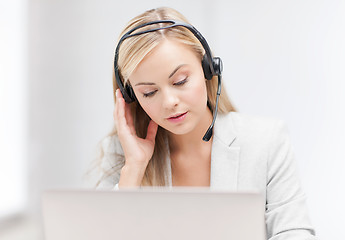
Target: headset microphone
(212,66)
(209,131)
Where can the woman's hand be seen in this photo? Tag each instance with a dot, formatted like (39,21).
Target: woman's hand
(138,151)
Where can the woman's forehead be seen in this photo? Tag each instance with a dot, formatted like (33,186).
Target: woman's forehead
(163,59)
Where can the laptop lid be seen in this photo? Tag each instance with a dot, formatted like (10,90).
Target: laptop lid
(153,213)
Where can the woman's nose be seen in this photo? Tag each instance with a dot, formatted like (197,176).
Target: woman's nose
(170,99)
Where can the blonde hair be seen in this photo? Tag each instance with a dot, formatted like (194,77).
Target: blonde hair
(131,53)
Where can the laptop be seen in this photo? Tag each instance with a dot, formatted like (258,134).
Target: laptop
(154,214)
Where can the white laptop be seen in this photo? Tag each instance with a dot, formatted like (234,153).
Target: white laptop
(153,214)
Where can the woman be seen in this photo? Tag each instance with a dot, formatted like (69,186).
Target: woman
(158,139)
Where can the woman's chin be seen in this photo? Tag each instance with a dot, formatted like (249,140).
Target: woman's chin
(180,130)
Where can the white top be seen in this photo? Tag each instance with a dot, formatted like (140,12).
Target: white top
(249,153)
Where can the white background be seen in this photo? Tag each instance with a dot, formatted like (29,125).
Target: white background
(284,59)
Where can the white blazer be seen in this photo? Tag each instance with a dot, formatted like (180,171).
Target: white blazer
(250,153)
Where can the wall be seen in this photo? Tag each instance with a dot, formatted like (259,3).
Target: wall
(283,59)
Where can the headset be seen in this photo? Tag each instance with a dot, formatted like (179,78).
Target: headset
(212,66)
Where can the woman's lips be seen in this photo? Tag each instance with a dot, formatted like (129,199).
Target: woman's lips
(178,118)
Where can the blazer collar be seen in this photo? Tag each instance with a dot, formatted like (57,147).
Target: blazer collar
(224,156)
(224,128)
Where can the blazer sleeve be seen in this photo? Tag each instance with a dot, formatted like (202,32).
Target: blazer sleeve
(110,166)
(286,210)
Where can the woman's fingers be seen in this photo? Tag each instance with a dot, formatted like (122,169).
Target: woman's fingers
(124,112)
(151,131)
(115,114)
(120,114)
(136,150)
(129,118)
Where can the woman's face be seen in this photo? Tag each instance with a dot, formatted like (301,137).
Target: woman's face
(170,86)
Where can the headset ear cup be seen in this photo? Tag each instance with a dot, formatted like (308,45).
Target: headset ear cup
(206,68)
(128,94)
(126,90)
(217,65)
(131,93)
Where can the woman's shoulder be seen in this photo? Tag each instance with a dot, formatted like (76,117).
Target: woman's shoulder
(251,120)
(249,127)
(112,152)
(111,162)
(111,145)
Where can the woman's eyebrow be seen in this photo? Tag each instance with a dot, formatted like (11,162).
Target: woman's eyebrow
(144,83)
(177,68)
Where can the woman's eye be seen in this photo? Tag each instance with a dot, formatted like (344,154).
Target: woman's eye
(181,82)
(149,94)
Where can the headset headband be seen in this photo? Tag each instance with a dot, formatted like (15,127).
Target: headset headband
(130,97)
(211,66)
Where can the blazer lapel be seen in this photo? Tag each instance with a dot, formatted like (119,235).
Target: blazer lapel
(224,156)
